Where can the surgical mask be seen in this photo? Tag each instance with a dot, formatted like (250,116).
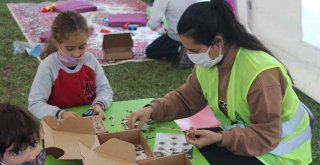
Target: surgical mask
(39,160)
(69,60)
(203,59)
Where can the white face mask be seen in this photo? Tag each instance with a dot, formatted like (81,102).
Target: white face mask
(203,59)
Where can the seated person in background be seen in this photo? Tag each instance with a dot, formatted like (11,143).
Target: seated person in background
(69,76)
(168,45)
(19,137)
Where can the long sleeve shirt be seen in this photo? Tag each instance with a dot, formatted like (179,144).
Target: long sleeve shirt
(172,10)
(56,87)
(265,104)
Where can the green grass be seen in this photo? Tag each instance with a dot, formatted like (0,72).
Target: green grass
(129,81)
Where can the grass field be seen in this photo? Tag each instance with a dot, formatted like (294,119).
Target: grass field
(129,81)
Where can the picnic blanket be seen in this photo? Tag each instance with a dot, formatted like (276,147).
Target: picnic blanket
(34,23)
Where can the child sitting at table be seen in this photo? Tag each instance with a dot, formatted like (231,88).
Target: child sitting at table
(19,137)
(69,76)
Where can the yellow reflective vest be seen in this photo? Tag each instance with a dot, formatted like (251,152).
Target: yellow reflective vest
(295,144)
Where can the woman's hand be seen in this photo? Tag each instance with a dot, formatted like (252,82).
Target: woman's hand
(142,115)
(202,138)
(98,111)
(66,114)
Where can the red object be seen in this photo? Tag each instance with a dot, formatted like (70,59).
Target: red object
(104,31)
(74,89)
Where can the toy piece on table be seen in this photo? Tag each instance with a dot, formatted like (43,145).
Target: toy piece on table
(89,112)
(48,8)
(112,120)
(125,123)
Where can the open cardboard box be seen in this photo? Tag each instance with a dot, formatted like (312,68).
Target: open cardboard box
(116,148)
(118,152)
(131,136)
(63,136)
(117,46)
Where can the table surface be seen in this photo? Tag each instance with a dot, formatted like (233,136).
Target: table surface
(119,110)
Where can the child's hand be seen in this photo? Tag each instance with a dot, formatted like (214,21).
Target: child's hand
(66,114)
(98,111)
(202,138)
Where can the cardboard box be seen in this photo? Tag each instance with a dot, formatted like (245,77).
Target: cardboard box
(117,46)
(65,135)
(119,152)
(112,152)
(180,159)
(131,136)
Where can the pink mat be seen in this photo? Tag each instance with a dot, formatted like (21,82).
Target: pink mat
(34,23)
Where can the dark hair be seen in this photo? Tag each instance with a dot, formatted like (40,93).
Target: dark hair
(17,127)
(204,20)
(65,23)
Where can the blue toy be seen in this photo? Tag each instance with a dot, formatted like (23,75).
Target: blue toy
(89,112)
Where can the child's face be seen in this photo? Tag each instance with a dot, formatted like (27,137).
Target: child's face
(11,156)
(75,43)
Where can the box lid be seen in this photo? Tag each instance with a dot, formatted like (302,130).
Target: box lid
(64,135)
(117,40)
(112,152)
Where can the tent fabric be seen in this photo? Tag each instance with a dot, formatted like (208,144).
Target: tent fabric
(278,24)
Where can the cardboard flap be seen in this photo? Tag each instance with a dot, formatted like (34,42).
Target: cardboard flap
(100,156)
(117,40)
(76,124)
(51,121)
(115,147)
(89,141)
(47,123)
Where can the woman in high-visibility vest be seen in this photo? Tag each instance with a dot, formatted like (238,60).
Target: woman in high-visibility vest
(249,91)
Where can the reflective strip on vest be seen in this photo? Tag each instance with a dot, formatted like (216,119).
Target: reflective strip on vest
(287,128)
(291,125)
(228,127)
(289,145)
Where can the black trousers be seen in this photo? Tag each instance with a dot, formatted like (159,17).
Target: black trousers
(164,46)
(221,156)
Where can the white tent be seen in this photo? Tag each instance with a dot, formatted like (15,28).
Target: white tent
(290,29)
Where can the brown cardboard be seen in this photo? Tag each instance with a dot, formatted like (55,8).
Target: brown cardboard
(117,46)
(132,136)
(112,152)
(180,159)
(118,152)
(98,124)
(65,134)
